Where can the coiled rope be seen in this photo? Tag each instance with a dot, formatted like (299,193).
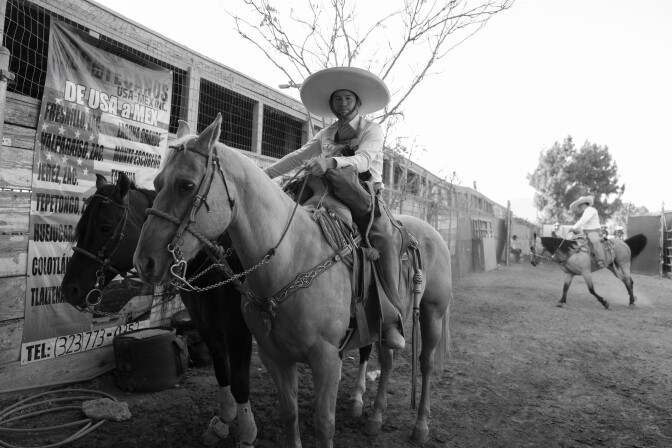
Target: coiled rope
(15,413)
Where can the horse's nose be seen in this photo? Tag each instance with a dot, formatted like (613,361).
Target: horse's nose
(72,293)
(144,264)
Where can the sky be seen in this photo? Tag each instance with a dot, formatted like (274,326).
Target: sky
(596,70)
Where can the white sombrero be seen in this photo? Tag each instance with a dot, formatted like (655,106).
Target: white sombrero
(574,206)
(318,87)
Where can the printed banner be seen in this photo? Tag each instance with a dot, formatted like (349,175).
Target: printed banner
(100,114)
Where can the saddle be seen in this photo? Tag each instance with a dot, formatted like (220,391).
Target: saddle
(608,246)
(337,226)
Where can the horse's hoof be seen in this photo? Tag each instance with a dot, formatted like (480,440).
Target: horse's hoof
(605,304)
(372,427)
(216,431)
(420,434)
(209,438)
(560,304)
(356,409)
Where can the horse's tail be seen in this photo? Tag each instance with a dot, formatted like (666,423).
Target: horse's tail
(444,341)
(636,244)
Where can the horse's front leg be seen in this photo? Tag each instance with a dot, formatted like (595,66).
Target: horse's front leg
(285,376)
(240,354)
(357,397)
(565,288)
(591,288)
(326,366)
(375,421)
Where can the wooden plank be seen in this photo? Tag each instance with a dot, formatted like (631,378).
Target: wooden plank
(13,255)
(12,298)
(20,136)
(14,212)
(16,168)
(22,110)
(66,369)
(11,332)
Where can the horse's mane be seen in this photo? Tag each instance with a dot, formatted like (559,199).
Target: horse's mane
(553,244)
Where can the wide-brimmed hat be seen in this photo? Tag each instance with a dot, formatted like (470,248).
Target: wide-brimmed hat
(574,206)
(318,87)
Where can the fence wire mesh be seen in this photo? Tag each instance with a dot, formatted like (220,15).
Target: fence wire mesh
(26,35)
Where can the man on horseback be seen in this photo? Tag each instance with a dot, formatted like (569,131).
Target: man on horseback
(348,155)
(590,224)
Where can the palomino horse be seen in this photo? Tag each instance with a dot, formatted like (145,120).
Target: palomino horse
(279,244)
(575,259)
(107,234)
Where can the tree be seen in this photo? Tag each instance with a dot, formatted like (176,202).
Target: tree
(564,174)
(401,42)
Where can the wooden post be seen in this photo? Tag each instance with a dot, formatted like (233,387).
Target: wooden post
(5,75)
(507,244)
(663,240)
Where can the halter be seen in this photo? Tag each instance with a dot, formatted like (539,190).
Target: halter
(103,257)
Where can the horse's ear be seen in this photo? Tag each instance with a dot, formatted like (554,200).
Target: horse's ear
(100,181)
(182,129)
(123,184)
(210,136)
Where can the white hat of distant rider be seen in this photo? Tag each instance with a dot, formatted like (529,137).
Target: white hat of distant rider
(318,87)
(574,206)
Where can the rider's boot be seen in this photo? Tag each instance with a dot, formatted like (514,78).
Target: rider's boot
(384,237)
(598,249)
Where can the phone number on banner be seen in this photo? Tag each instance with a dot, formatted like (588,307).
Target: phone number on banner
(74,343)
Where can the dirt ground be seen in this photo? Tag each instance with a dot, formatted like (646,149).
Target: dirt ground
(523,373)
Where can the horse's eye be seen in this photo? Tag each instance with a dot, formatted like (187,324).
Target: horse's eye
(186,186)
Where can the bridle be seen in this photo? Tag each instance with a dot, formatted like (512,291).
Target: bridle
(179,267)
(104,256)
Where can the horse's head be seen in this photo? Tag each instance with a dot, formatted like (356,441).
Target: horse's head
(105,237)
(187,212)
(559,248)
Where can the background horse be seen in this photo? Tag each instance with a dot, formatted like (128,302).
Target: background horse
(575,259)
(110,227)
(236,196)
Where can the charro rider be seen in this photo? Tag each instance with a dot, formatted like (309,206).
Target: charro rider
(348,155)
(590,224)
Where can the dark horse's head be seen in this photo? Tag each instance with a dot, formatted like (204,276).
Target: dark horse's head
(560,248)
(105,236)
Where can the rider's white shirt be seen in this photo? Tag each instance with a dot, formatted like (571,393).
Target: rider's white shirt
(369,155)
(589,220)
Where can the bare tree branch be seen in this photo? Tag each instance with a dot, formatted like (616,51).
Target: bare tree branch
(402,42)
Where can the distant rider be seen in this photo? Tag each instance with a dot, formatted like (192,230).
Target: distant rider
(590,224)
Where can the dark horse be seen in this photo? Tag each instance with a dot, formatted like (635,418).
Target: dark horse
(106,236)
(575,258)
